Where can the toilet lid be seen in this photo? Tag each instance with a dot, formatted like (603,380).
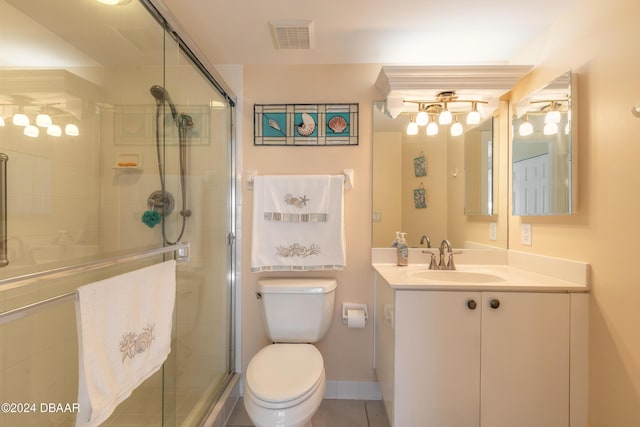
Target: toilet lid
(283,372)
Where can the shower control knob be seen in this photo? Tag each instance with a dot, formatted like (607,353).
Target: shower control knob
(472,304)
(494,303)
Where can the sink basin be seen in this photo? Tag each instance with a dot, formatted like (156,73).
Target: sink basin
(456,276)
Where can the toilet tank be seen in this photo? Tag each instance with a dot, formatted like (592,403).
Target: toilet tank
(297,310)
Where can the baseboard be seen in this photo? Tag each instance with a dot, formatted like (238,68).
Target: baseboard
(356,390)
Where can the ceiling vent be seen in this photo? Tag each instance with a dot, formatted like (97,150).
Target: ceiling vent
(292,34)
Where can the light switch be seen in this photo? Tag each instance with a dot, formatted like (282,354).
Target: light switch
(493,231)
(525,234)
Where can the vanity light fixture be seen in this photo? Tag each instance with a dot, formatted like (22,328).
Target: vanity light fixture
(412,127)
(456,128)
(445,116)
(439,107)
(423,117)
(432,128)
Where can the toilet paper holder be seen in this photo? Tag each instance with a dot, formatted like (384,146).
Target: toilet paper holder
(346,306)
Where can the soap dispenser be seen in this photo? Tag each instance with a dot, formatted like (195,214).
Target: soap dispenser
(403,251)
(394,244)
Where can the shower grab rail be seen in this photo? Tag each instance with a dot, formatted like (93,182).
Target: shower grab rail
(182,250)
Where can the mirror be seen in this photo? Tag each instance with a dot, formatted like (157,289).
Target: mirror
(458,176)
(542,151)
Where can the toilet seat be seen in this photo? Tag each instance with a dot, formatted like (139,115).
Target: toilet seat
(283,375)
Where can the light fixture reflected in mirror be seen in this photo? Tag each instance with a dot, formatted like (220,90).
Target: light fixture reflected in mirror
(54,130)
(550,128)
(526,128)
(43,120)
(473,118)
(71,130)
(31,131)
(412,127)
(20,119)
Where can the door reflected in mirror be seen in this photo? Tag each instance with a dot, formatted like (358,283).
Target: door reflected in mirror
(542,151)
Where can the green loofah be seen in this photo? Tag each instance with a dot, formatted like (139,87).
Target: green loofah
(151,218)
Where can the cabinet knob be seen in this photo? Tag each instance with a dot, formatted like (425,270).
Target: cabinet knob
(494,303)
(472,304)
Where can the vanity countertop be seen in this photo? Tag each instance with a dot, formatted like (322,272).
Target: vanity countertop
(474,277)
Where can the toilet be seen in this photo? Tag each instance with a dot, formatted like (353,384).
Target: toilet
(285,381)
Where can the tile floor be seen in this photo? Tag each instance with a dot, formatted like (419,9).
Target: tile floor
(332,413)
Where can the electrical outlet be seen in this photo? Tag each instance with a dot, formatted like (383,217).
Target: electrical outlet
(525,234)
(493,231)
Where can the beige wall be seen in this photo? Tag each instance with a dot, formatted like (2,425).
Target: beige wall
(347,353)
(387,181)
(598,40)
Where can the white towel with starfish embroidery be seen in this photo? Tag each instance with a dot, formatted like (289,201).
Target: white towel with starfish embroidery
(295,198)
(124,336)
(299,245)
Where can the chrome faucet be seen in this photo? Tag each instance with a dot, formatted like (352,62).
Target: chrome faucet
(425,239)
(445,248)
(449,266)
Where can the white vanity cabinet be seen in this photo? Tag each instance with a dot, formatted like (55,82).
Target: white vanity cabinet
(473,359)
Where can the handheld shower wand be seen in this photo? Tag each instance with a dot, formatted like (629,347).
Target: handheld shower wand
(184,123)
(161,95)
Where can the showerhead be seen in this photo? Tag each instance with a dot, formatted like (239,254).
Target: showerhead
(161,95)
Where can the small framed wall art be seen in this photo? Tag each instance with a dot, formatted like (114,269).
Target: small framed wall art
(305,124)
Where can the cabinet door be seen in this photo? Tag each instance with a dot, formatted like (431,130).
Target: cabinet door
(525,360)
(437,359)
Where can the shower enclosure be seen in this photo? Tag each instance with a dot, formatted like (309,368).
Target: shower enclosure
(103,165)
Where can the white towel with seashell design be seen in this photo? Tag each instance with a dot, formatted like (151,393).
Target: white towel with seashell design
(124,336)
(302,243)
(295,198)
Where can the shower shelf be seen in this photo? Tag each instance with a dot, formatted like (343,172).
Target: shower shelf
(128,162)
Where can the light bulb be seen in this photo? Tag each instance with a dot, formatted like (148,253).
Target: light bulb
(31,131)
(1,121)
(71,130)
(412,128)
(552,116)
(473,118)
(550,129)
(567,129)
(20,119)
(422,118)
(456,129)
(432,128)
(43,120)
(445,117)
(525,129)
(54,130)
